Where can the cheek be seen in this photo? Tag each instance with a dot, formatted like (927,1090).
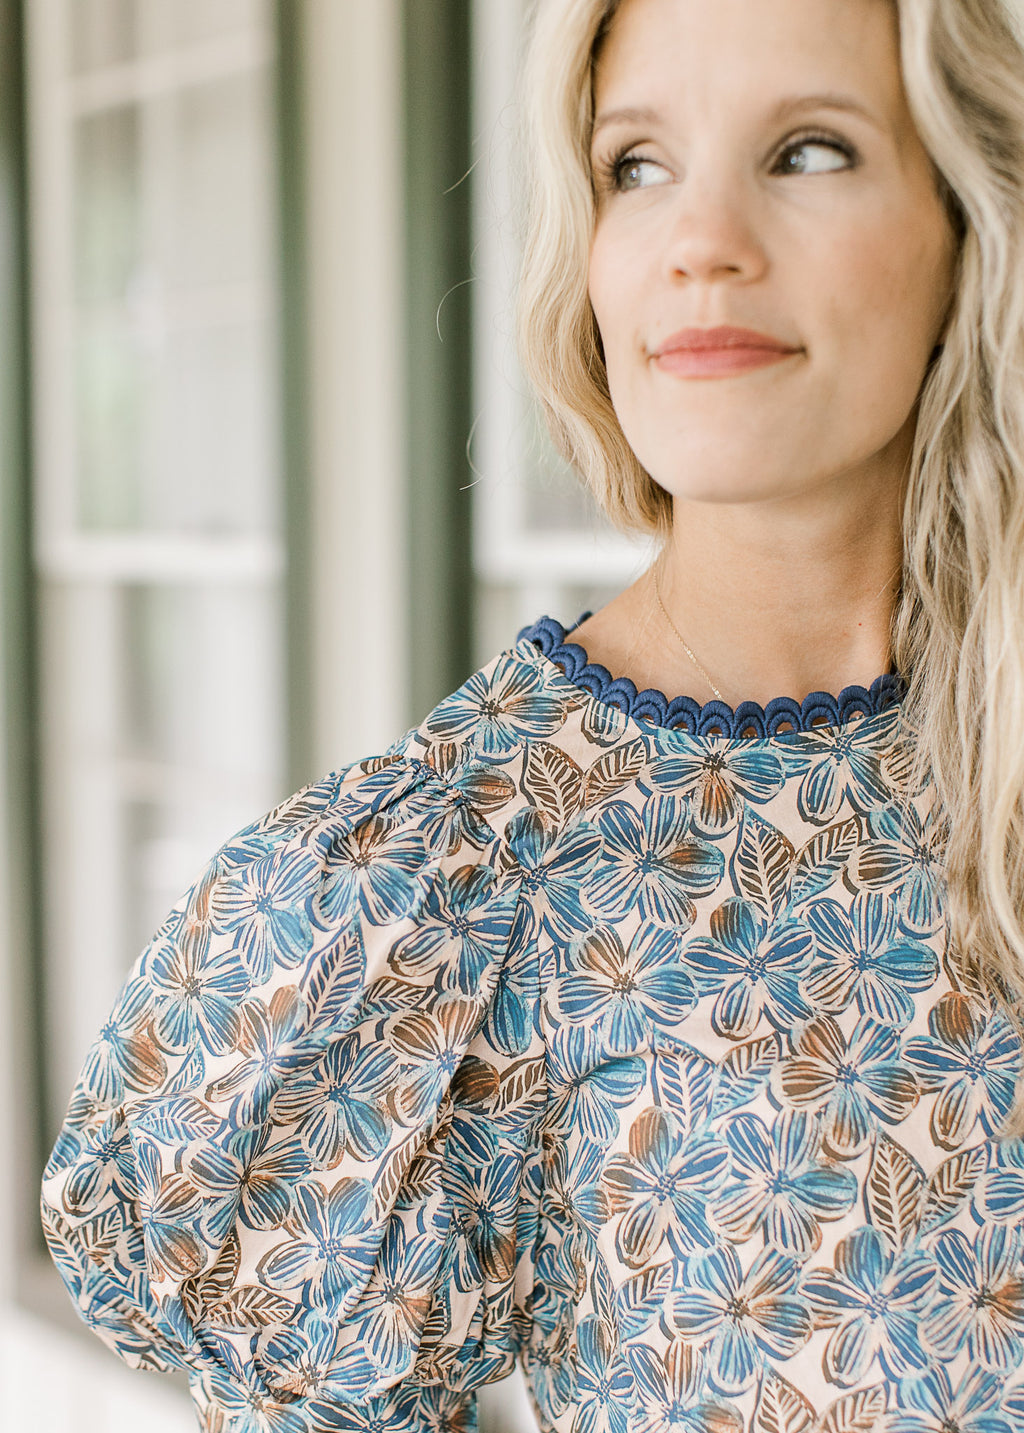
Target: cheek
(891,292)
(612,287)
(600,294)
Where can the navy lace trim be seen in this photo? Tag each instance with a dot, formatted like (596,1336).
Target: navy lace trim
(715,718)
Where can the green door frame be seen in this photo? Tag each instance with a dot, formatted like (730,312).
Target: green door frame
(19,786)
(438,158)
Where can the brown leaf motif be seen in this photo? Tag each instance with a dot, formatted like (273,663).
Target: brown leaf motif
(553,780)
(520,1085)
(822,859)
(893,1191)
(951,1186)
(862,1412)
(249,1307)
(613,772)
(763,864)
(781,1408)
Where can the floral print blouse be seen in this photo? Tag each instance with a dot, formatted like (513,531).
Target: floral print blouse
(614,1035)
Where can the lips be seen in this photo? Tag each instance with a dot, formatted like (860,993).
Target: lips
(711,340)
(719,352)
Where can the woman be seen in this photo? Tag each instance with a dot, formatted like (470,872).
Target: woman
(669,1045)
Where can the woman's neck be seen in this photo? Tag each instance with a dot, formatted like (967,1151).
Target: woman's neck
(773,600)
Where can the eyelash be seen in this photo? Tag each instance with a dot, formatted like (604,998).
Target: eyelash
(609,172)
(828,141)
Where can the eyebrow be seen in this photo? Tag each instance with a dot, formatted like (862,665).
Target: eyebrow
(792,105)
(847,104)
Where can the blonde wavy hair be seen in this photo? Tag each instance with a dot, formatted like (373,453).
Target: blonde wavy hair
(958,628)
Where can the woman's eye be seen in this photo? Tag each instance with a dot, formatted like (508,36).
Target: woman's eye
(632,172)
(814,156)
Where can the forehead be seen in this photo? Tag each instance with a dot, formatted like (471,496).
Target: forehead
(687,51)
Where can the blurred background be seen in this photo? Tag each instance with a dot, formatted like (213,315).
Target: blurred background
(270,486)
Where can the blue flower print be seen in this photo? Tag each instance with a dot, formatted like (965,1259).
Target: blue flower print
(904,859)
(853,1084)
(621,992)
(670,1393)
(737,1317)
(557,1016)
(555,861)
(980,1301)
(753,965)
(376,868)
(588,1087)
(329,1251)
(718,776)
(431,1043)
(873,1300)
(124,1052)
(296,1357)
(999,1192)
(110,1172)
(603,1381)
(430,1409)
(842,763)
(394,1307)
(552,1324)
(455,815)
(971,1062)
(778,1186)
(434,1409)
(462,929)
(930,1404)
(264,1035)
(231,1399)
(251,1410)
(197,995)
(572,1188)
(170,1213)
(510,1018)
(485,1205)
(340,1104)
(498,711)
(663,1188)
(250,1177)
(266,908)
(866,959)
(650,863)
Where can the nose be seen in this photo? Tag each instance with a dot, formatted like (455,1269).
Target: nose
(712,235)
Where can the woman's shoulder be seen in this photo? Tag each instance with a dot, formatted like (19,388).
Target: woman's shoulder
(517,744)
(373,837)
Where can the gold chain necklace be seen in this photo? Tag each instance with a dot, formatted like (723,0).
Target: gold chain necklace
(680,638)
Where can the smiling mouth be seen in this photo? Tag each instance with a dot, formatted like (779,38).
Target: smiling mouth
(720,352)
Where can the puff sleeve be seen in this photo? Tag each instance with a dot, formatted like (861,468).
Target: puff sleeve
(302,1159)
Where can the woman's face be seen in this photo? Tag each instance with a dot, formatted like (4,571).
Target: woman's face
(757,168)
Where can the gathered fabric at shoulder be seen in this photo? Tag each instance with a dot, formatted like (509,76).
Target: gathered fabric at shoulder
(273,1164)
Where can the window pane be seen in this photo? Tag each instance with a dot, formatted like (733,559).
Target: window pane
(111,32)
(158,486)
(172,228)
(103,32)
